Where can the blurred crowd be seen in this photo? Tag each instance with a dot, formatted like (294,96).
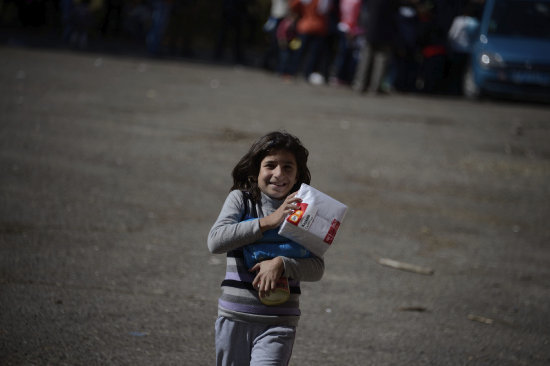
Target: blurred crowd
(378,46)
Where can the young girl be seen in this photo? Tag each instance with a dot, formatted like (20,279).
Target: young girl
(265,182)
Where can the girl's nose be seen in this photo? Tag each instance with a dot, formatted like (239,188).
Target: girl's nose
(277,171)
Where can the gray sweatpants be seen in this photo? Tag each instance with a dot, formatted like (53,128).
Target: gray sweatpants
(239,343)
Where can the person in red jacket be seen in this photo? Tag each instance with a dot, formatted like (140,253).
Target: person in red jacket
(312,28)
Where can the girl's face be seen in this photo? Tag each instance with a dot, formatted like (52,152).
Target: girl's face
(278,174)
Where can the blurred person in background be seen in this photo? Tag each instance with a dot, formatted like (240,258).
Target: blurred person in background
(180,28)
(331,43)
(278,12)
(435,18)
(112,17)
(461,38)
(380,25)
(161,10)
(405,59)
(137,19)
(348,31)
(312,28)
(288,43)
(77,17)
(233,17)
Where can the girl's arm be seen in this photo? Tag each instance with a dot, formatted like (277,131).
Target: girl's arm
(270,270)
(304,269)
(228,233)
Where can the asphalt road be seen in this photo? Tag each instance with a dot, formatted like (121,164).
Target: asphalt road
(113,169)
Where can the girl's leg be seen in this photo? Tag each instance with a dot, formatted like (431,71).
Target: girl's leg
(273,347)
(233,342)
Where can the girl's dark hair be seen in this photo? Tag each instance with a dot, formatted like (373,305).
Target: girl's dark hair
(245,173)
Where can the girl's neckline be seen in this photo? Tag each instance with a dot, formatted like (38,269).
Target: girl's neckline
(266,197)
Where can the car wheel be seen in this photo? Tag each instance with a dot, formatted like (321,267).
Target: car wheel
(469,86)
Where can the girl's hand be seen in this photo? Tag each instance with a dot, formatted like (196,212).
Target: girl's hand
(269,271)
(276,218)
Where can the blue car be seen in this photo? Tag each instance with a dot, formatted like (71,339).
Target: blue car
(511,56)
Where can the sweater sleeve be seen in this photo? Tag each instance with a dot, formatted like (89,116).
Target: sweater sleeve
(228,233)
(304,269)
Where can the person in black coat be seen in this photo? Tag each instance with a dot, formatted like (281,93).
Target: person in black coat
(379,21)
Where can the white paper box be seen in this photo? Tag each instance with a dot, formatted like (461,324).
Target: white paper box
(316,223)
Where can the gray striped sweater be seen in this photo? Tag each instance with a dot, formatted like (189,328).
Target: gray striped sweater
(239,300)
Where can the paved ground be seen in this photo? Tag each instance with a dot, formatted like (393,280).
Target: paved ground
(113,170)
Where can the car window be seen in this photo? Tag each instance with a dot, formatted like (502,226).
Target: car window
(521,18)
